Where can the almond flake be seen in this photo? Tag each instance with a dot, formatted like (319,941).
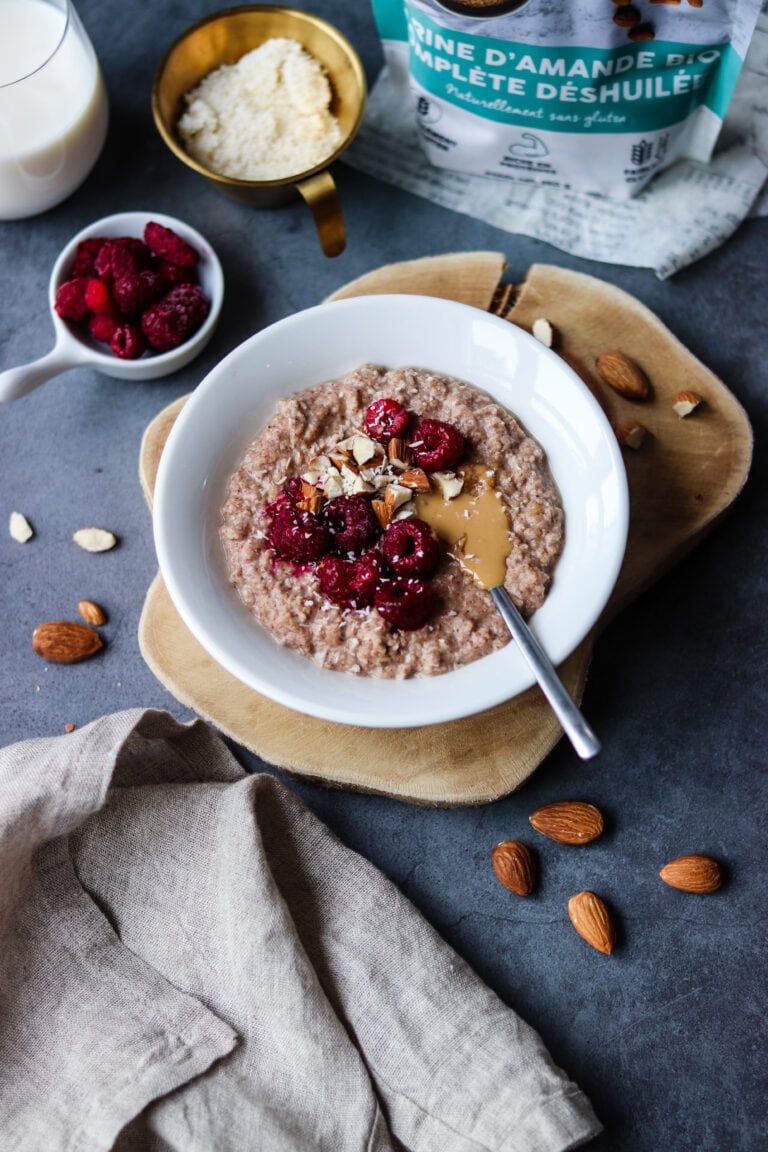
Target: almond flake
(20,528)
(544,332)
(95,539)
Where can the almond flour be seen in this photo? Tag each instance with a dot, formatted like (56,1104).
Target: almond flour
(267,117)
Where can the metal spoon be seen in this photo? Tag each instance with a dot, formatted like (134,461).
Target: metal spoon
(574,725)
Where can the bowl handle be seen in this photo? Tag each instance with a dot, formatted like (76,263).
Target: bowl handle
(16,382)
(320,193)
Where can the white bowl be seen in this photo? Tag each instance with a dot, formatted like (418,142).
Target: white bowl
(235,401)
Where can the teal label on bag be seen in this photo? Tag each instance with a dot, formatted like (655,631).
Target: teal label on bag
(639,87)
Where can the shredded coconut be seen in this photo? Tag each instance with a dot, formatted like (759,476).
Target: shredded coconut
(266,117)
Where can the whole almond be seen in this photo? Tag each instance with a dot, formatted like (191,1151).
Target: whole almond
(568,822)
(593,921)
(693,873)
(92,612)
(514,866)
(623,375)
(65,641)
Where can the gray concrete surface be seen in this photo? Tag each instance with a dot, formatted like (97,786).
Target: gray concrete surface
(667,1036)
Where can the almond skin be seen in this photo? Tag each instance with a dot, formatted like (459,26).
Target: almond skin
(568,822)
(65,641)
(685,402)
(514,866)
(92,613)
(593,921)
(623,375)
(630,434)
(694,873)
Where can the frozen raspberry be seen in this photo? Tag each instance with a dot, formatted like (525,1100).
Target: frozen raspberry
(102,328)
(70,299)
(85,256)
(298,536)
(286,499)
(411,548)
(405,602)
(98,299)
(173,318)
(385,419)
(168,245)
(349,583)
(122,257)
(352,521)
(368,574)
(437,445)
(128,341)
(172,274)
(134,293)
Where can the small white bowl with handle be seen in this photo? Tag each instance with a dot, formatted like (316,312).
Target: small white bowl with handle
(76,349)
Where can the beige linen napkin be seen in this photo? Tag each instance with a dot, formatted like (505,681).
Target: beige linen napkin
(191,961)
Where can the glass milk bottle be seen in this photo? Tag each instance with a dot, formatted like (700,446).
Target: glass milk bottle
(53,105)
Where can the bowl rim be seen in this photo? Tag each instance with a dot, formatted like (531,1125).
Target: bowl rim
(167,131)
(453,705)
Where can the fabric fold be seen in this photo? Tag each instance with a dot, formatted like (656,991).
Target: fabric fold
(199,963)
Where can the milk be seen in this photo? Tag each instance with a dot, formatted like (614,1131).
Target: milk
(53,105)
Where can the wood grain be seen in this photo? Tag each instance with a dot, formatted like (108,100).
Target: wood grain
(685,476)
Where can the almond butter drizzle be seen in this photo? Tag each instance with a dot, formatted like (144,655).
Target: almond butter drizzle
(473,524)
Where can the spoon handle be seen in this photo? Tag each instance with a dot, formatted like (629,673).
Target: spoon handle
(574,725)
(16,382)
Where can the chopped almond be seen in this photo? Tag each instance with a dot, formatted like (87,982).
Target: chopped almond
(399,453)
(415,478)
(382,512)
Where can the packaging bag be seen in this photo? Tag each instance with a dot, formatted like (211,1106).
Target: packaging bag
(594,95)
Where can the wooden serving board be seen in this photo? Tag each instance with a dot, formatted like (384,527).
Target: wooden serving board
(683,478)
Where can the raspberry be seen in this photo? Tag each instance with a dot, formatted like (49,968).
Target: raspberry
(128,341)
(172,274)
(349,583)
(134,293)
(298,536)
(411,548)
(436,445)
(368,574)
(85,256)
(405,602)
(98,299)
(174,318)
(352,521)
(166,244)
(287,498)
(385,419)
(102,328)
(70,299)
(121,257)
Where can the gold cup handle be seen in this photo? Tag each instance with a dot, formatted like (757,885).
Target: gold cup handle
(320,193)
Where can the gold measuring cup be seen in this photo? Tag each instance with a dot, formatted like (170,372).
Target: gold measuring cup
(222,39)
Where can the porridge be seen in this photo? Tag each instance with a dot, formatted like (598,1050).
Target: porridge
(365,522)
